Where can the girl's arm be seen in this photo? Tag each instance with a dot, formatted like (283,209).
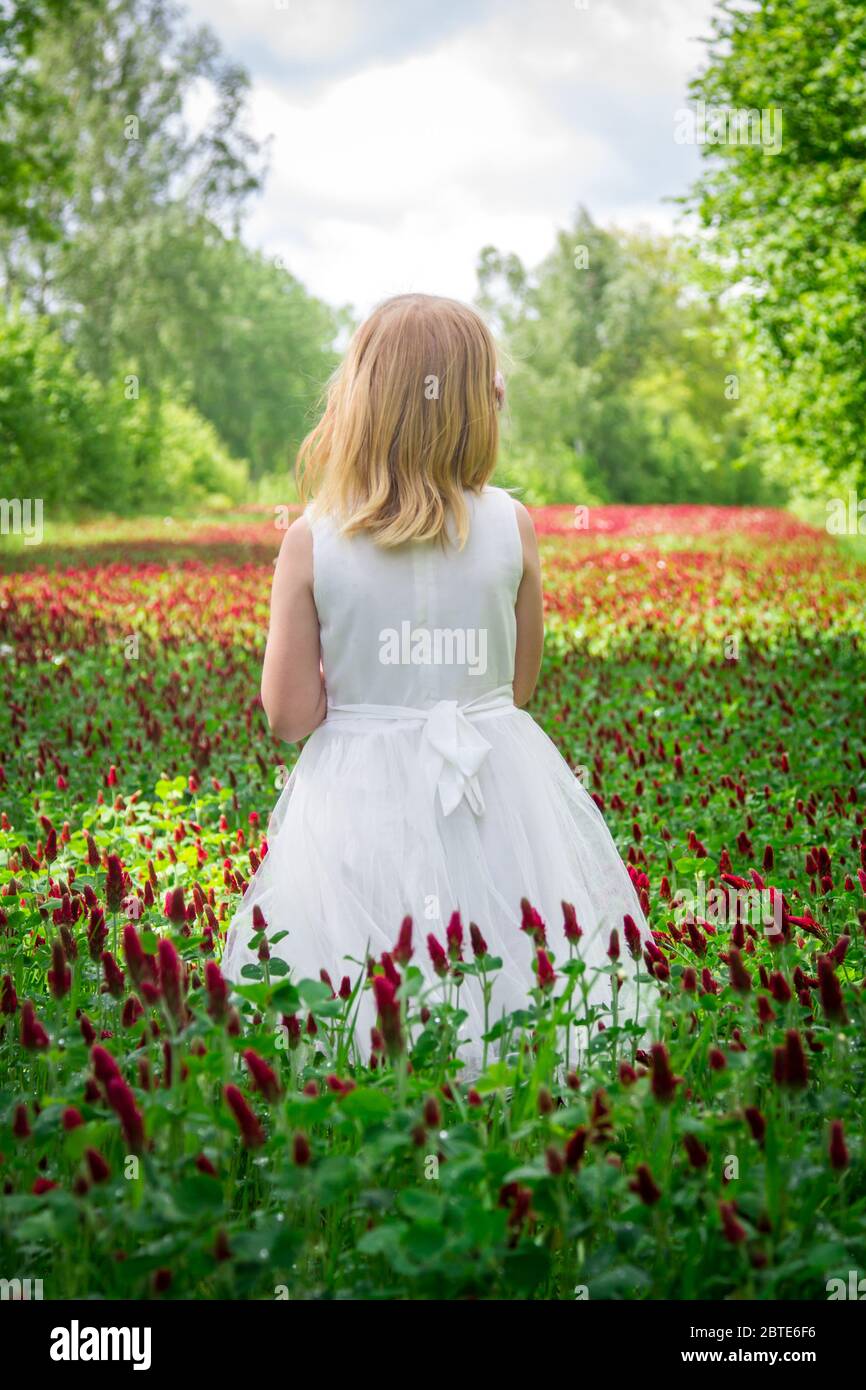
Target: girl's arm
(530,613)
(293,689)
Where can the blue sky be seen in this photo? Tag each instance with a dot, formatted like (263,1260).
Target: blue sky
(407,134)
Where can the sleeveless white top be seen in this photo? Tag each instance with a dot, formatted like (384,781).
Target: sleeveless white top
(423,622)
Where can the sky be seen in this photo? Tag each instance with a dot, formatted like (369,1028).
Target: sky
(405,135)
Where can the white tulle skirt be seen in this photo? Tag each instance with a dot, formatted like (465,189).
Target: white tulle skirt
(359,839)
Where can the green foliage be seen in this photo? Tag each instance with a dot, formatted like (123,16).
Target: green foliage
(144,274)
(81,445)
(58,431)
(787,227)
(191,464)
(259,364)
(33,158)
(617,390)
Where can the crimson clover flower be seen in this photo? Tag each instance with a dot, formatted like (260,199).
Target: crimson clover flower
(644,1185)
(8,997)
(632,936)
(402,952)
(779,987)
(114,980)
(699,1156)
(20,1123)
(388,1009)
(33,1035)
(217,991)
(664,1083)
(391,972)
(830,991)
(571,928)
(139,964)
(132,1011)
(432,1113)
(171,979)
(99,1169)
(531,923)
(60,975)
(122,1102)
(252,1133)
(544,970)
(756,1122)
(262,1075)
(114,883)
(838,1149)
(438,957)
(732,1229)
(479,945)
(174,906)
(790,1065)
(105,1068)
(740,978)
(97,932)
(454,937)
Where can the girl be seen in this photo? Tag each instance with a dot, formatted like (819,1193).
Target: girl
(406,633)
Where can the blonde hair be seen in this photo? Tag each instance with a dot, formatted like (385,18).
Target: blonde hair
(410,423)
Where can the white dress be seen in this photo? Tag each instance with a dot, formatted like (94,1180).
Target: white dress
(426,790)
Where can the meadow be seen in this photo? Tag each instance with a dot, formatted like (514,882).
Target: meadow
(163,1136)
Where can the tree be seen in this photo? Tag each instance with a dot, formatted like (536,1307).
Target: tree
(146,277)
(28,168)
(78,444)
(616,390)
(786,227)
(259,370)
(122,72)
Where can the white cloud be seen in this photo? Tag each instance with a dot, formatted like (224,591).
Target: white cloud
(406,136)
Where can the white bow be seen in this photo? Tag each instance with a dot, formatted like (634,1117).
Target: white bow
(452,752)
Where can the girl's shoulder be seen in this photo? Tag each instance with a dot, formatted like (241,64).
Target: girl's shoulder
(507,505)
(500,499)
(318,520)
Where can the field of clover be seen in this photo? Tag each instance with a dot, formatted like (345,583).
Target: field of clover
(163,1136)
